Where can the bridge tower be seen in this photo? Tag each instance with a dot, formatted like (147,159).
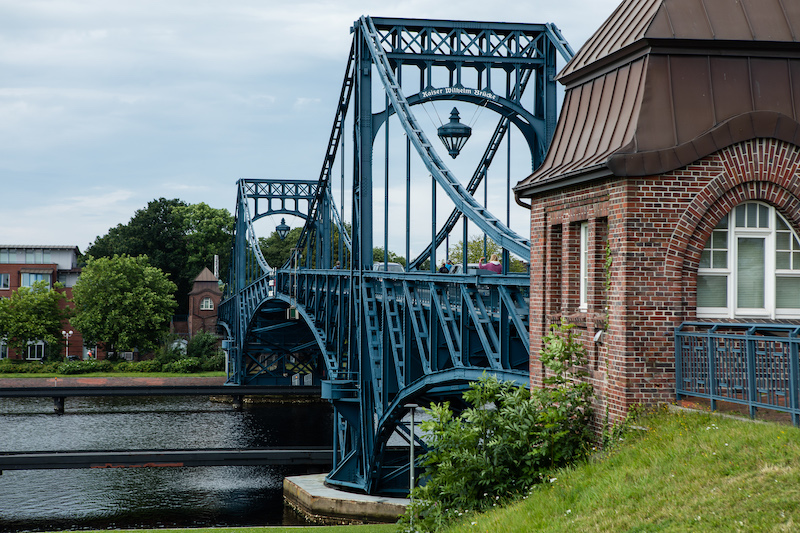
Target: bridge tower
(380,336)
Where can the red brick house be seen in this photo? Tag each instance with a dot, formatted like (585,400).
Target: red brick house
(21,266)
(204,301)
(677,156)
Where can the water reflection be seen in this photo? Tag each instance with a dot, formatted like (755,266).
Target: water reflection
(39,500)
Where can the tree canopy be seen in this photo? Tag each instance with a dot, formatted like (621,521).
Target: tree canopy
(177,237)
(475,250)
(123,302)
(31,314)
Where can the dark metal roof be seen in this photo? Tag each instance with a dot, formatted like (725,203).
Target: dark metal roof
(666,82)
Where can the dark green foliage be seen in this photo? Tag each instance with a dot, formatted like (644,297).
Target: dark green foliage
(178,238)
(205,347)
(507,440)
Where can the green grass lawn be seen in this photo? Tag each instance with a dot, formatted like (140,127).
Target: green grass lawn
(687,471)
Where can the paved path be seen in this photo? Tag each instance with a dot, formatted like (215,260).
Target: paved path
(87,381)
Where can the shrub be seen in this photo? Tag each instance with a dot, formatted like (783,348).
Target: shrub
(188,365)
(150,365)
(507,440)
(84,367)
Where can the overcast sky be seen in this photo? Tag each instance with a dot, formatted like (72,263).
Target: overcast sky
(106,105)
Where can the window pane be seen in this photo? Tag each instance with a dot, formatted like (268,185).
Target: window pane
(783,260)
(783,241)
(29,257)
(705,259)
(740,214)
(781,223)
(720,259)
(720,239)
(723,223)
(750,275)
(763,216)
(712,291)
(752,215)
(787,293)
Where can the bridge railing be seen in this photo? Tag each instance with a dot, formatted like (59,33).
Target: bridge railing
(755,365)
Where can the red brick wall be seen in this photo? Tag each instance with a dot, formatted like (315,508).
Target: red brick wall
(656,228)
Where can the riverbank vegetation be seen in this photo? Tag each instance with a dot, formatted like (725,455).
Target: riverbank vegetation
(506,441)
(200,354)
(673,472)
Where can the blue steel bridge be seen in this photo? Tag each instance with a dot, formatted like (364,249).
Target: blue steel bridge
(381,339)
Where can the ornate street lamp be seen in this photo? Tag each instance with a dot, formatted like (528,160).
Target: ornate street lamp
(454,134)
(282,229)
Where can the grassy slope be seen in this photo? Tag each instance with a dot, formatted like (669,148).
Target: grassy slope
(687,472)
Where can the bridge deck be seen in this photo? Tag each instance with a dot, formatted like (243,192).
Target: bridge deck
(307,456)
(169,390)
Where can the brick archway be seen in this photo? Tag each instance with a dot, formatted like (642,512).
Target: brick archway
(767,170)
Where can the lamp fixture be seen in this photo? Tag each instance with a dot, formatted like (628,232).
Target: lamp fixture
(454,134)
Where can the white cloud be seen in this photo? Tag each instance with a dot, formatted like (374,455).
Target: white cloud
(107,105)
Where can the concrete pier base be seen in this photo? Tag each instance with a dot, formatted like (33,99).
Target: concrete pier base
(319,503)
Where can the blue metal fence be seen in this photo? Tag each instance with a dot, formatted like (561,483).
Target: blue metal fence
(755,365)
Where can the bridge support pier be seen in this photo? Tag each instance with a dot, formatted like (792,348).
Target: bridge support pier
(58,405)
(238,402)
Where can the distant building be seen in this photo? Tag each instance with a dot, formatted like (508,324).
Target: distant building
(204,301)
(22,266)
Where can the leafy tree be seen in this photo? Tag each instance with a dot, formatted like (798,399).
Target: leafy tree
(32,314)
(208,232)
(276,250)
(178,238)
(123,302)
(377,256)
(475,251)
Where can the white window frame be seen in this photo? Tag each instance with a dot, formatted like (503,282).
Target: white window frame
(206,304)
(771,272)
(5,281)
(3,349)
(28,283)
(583,304)
(38,350)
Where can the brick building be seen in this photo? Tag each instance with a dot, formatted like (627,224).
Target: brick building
(204,301)
(677,157)
(23,265)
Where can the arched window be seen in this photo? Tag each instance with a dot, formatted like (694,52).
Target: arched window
(750,267)
(206,304)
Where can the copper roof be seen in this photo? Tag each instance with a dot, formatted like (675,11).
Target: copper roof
(663,83)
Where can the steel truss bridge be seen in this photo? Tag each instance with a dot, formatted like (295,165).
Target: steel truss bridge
(381,339)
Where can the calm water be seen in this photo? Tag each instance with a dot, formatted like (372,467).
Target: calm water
(41,500)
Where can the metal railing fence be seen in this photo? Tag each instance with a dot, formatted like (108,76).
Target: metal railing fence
(755,365)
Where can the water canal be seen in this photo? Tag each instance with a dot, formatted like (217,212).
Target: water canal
(44,500)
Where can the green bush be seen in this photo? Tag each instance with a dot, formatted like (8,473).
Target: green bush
(507,440)
(85,367)
(149,365)
(188,365)
(13,366)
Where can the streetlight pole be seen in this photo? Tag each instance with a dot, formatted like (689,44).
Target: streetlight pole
(67,335)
